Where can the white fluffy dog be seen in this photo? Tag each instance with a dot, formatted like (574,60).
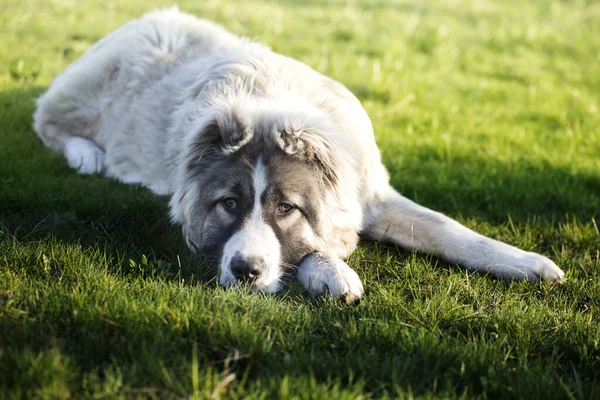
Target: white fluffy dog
(270,165)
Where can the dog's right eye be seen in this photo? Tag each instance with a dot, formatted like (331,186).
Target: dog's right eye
(230,204)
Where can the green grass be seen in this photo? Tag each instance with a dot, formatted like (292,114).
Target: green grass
(487,111)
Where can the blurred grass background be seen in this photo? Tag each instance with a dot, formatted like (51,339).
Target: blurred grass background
(487,111)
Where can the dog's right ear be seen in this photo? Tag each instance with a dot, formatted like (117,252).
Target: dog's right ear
(225,134)
(234,130)
(205,146)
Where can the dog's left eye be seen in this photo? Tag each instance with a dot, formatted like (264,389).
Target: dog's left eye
(230,204)
(284,208)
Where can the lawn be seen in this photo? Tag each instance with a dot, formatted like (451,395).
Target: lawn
(488,111)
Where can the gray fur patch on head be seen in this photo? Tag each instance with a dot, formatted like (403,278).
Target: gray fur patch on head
(293,182)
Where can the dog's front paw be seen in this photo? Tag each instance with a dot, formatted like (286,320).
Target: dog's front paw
(320,273)
(84,156)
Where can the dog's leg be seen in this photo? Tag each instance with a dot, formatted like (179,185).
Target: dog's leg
(401,221)
(319,272)
(70,116)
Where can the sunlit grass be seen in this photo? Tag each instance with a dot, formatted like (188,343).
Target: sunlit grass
(487,111)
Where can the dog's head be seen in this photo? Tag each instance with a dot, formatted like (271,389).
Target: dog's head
(261,191)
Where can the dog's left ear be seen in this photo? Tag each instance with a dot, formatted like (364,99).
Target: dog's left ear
(312,147)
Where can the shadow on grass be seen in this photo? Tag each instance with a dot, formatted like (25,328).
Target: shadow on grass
(477,187)
(383,357)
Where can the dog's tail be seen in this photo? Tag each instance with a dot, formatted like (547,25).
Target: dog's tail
(394,218)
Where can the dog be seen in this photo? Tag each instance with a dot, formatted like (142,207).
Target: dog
(271,166)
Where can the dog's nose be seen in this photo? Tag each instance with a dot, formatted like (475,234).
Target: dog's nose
(246,269)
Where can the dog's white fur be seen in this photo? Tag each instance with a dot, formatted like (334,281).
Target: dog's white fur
(132,106)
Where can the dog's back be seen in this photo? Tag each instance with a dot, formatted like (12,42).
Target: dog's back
(121,64)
